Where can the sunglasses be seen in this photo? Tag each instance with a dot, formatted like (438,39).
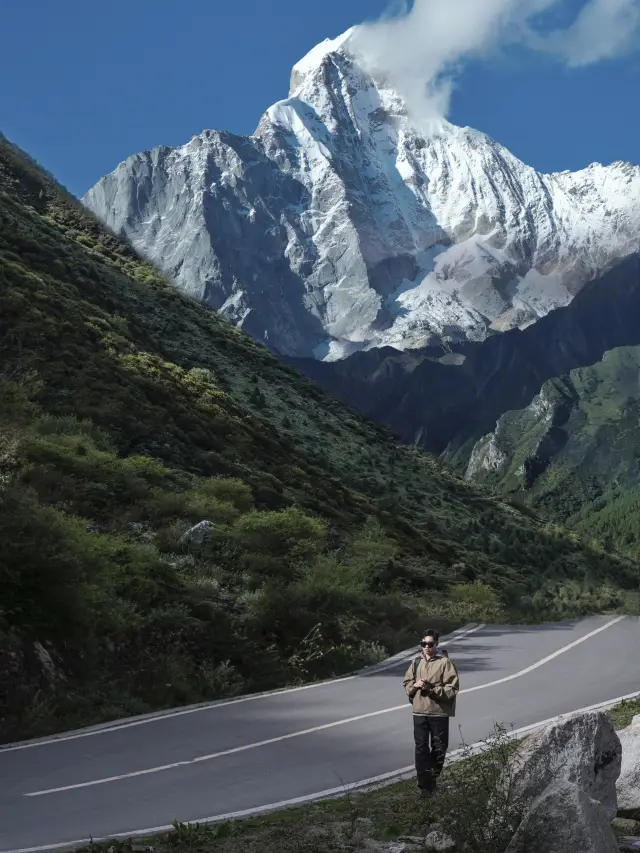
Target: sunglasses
(427,644)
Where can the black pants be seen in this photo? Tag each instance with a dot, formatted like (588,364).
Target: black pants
(431,735)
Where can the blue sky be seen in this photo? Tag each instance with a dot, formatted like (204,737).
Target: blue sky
(86,84)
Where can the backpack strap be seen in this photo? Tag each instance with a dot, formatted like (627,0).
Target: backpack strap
(416,661)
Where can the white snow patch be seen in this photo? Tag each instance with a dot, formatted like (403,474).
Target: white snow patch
(313,59)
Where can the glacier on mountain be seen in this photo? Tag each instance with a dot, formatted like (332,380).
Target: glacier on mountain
(343,224)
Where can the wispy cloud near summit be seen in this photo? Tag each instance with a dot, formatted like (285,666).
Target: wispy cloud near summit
(421,46)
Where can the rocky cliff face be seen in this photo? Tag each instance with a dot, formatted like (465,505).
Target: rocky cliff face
(448,407)
(343,225)
(576,439)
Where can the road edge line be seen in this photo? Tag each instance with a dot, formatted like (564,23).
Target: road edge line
(179,711)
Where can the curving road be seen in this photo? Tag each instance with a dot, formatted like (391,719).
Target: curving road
(257,751)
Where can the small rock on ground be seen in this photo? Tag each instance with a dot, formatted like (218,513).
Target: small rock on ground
(438,841)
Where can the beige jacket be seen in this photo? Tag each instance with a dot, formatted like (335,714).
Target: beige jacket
(440,699)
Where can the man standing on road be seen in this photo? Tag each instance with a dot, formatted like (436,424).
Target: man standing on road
(432,685)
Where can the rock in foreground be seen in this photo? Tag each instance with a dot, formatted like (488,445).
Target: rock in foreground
(628,786)
(582,750)
(564,820)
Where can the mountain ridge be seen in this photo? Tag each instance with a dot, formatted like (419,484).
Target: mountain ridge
(447,407)
(574,451)
(339,226)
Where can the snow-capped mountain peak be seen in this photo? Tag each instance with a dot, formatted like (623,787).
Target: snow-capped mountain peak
(343,224)
(312,60)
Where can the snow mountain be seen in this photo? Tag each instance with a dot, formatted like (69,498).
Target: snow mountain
(342,224)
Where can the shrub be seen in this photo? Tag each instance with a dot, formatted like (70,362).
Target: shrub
(287,533)
(476,601)
(227,490)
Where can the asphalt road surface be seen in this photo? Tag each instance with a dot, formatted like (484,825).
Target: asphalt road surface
(257,751)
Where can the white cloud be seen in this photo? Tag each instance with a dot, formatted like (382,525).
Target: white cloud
(421,49)
(604,29)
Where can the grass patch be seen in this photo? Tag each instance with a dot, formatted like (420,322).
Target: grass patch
(623,713)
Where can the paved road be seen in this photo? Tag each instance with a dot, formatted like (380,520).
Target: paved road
(215,761)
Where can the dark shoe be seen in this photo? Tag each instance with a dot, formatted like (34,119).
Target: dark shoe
(429,789)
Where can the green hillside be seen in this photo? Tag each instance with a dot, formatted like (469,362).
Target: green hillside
(129,413)
(575,451)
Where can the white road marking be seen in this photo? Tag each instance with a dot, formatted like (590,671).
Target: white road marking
(548,657)
(363,784)
(405,707)
(456,635)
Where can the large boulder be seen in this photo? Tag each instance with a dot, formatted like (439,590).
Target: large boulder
(50,672)
(628,785)
(583,749)
(196,535)
(564,819)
